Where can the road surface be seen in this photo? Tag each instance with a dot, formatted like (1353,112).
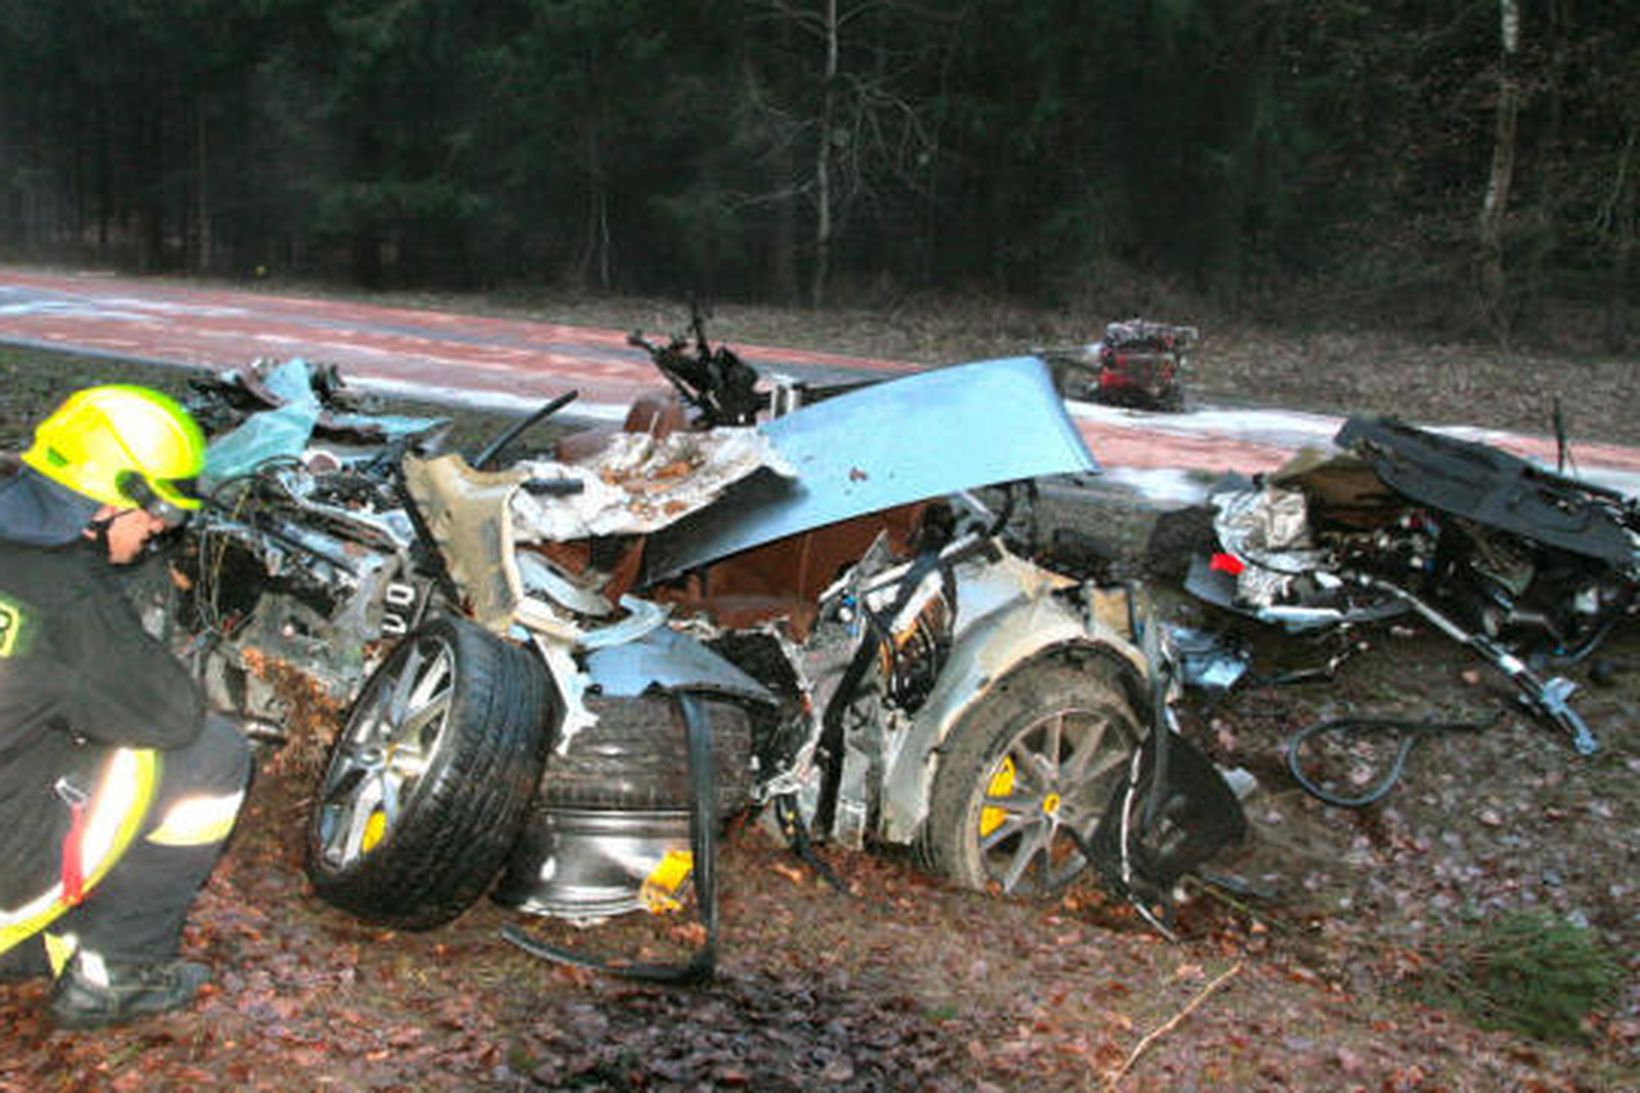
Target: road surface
(519,364)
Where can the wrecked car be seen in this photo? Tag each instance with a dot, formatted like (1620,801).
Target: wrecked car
(560,673)
(1138,364)
(1528,567)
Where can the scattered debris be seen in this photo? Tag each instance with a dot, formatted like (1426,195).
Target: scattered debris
(917,984)
(1207,660)
(1526,567)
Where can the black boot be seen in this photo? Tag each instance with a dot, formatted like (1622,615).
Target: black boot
(92,993)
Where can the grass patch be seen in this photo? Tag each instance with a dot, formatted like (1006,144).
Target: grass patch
(1526,972)
(33,381)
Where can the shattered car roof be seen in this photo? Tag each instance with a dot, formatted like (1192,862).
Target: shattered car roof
(905,440)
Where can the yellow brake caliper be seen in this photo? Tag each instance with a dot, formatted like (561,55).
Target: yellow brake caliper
(375,829)
(1001,784)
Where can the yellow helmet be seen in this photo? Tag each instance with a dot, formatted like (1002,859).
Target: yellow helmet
(122,445)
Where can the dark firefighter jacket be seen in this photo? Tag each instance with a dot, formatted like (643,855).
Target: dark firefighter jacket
(79,676)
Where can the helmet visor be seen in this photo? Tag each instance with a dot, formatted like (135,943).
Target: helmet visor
(170,500)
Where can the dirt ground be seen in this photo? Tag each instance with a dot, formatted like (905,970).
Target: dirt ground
(1315,970)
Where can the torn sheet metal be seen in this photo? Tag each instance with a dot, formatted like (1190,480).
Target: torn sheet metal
(1207,660)
(293,381)
(272,385)
(638,484)
(570,685)
(282,433)
(465,511)
(539,574)
(468,513)
(295,414)
(908,439)
(669,660)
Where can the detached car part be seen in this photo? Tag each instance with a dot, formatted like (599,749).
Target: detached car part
(1507,558)
(1545,697)
(1138,364)
(428,780)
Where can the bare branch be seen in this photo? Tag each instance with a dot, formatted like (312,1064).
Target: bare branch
(1114,1078)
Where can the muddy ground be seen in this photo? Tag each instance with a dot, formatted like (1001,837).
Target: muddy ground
(1318,969)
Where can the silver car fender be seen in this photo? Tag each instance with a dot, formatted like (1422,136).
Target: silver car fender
(1018,625)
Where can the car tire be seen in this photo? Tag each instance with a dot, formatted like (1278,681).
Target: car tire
(427,785)
(635,757)
(1043,750)
(616,801)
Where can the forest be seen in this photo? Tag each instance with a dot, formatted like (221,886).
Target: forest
(1466,166)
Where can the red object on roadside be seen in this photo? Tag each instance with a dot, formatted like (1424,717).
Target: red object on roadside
(1226,563)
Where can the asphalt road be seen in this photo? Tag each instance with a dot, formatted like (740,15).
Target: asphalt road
(519,364)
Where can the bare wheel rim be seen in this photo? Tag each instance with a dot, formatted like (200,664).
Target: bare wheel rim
(1054,774)
(389,744)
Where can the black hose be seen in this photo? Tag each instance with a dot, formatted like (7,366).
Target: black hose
(1615,614)
(1411,732)
(508,435)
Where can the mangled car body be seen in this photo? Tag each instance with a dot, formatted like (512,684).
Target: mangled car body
(533,657)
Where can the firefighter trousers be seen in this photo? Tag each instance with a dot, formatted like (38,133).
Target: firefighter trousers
(136,912)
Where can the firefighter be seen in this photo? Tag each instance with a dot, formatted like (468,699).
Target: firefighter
(117,789)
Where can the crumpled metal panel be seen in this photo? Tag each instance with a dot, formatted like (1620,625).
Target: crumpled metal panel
(672,661)
(638,483)
(467,515)
(909,439)
(295,414)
